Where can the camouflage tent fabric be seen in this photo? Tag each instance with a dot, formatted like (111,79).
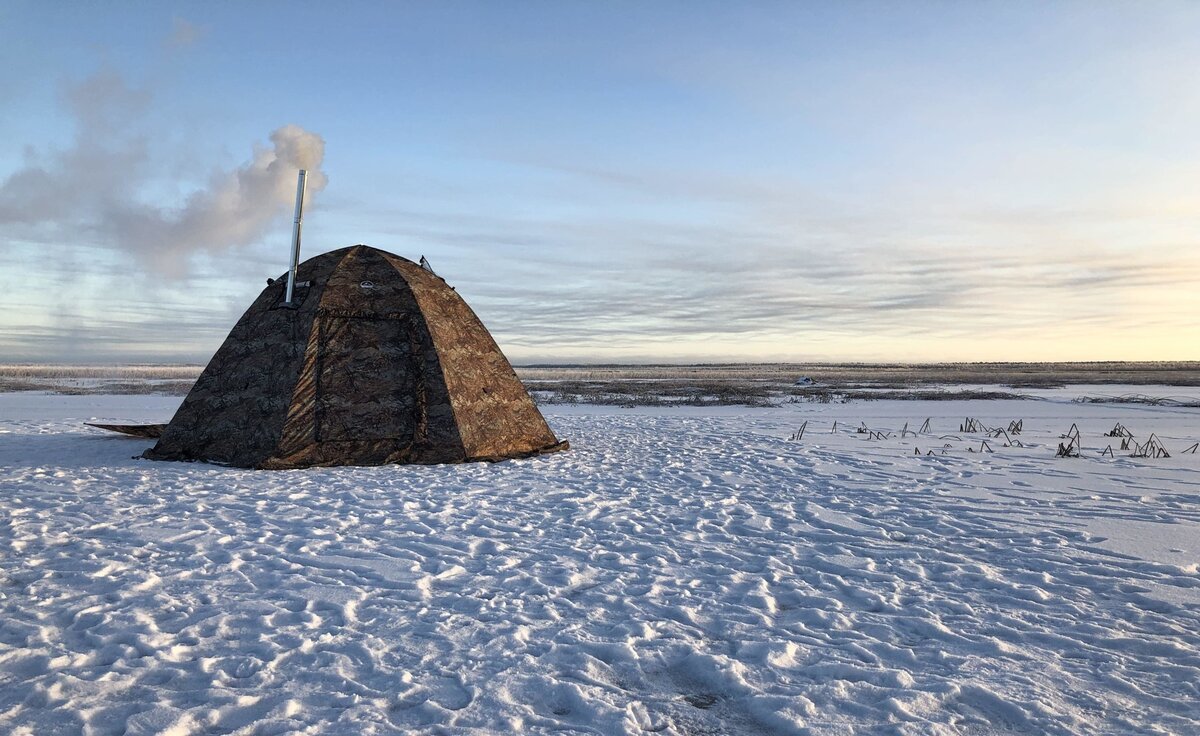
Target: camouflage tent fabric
(377,360)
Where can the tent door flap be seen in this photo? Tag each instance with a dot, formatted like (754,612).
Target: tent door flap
(366,380)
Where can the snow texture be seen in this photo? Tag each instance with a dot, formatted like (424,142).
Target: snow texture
(678,571)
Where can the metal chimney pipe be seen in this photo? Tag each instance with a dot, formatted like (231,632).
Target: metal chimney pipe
(297,225)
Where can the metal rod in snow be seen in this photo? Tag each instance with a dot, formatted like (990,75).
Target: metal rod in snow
(297,225)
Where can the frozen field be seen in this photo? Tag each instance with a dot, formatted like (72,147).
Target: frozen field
(680,571)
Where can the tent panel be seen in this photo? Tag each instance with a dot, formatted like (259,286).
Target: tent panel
(366,382)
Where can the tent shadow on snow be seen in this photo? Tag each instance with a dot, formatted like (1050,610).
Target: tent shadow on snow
(376,361)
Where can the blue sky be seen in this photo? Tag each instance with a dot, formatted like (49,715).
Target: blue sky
(615,181)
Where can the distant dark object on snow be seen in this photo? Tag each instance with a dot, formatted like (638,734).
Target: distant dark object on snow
(805,381)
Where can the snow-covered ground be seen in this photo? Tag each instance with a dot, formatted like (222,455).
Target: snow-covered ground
(685,571)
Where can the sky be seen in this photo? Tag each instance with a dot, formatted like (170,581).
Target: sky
(614,181)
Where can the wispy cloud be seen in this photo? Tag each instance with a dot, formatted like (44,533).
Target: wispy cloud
(184,33)
(794,278)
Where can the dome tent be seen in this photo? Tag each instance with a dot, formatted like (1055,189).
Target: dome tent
(377,360)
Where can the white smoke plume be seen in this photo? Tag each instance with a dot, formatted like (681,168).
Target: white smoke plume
(95,189)
(234,209)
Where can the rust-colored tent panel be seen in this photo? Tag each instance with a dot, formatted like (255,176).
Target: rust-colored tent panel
(377,361)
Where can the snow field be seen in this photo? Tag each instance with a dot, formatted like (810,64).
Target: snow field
(678,571)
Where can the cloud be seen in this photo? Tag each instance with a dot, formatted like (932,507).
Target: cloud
(765,280)
(184,33)
(96,189)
